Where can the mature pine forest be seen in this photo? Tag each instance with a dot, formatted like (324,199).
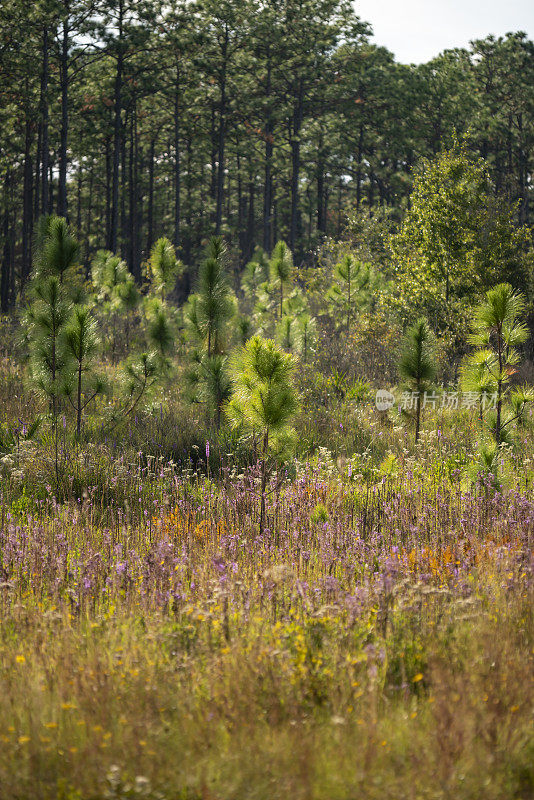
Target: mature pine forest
(257,121)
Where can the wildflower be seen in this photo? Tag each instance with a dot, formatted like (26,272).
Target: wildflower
(20,659)
(418,677)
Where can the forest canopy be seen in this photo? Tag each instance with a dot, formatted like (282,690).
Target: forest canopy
(259,121)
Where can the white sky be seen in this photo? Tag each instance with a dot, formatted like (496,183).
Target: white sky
(418,30)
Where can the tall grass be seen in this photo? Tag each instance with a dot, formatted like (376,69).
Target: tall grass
(376,642)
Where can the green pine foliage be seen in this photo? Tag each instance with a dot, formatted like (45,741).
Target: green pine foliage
(50,366)
(163,267)
(208,314)
(57,249)
(215,384)
(160,328)
(82,345)
(351,289)
(306,336)
(214,303)
(285,333)
(498,331)
(255,273)
(264,402)
(116,297)
(281,272)
(417,365)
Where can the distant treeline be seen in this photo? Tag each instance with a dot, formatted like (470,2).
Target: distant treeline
(254,119)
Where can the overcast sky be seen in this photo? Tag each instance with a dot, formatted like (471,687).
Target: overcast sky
(417,30)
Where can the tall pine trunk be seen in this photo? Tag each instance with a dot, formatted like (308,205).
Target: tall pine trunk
(64,82)
(27,204)
(117,136)
(295,223)
(222,135)
(5,274)
(150,211)
(267,180)
(44,124)
(177,176)
(321,221)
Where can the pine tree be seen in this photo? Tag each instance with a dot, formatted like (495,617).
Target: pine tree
(163,267)
(351,287)
(497,333)
(116,293)
(306,333)
(50,366)
(49,363)
(108,273)
(244,329)
(417,364)
(207,315)
(281,270)
(215,385)
(264,401)
(140,375)
(214,304)
(255,273)
(82,344)
(285,333)
(159,327)
(57,249)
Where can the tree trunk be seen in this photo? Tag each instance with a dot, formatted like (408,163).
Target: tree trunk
(44,124)
(500,345)
(177,176)
(79,203)
(213,139)
(321,222)
(79,402)
(150,220)
(263,480)
(240,207)
(109,172)
(295,224)
(268,182)
(64,83)
(5,276)
(339,190)
(89,218)
(189,198)
(117,135)
(359,168)
(222,137)
(27,205)
(417,414)
(37,183)
(51,185)
(268,193)
(132,181)
(122,193)
(249,239)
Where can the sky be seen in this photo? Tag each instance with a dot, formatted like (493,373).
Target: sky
(417,30)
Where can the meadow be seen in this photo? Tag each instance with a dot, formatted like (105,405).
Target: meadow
(374,640)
